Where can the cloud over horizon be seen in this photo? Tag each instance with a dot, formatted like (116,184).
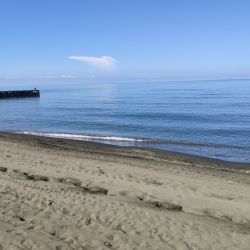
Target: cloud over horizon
(102,62)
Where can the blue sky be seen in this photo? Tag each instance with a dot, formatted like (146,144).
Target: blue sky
(140,38)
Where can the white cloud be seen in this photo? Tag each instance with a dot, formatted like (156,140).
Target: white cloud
(102,62)
(56,76)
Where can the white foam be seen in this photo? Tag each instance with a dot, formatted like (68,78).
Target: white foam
(85,137)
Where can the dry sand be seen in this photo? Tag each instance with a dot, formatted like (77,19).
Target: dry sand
(63,194)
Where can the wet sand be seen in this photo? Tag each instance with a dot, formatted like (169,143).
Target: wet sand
(65,194)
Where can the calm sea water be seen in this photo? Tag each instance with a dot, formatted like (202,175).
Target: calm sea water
(209,118)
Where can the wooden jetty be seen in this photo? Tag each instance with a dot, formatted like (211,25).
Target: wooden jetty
(19,93)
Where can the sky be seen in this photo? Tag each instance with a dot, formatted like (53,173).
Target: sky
(172,39)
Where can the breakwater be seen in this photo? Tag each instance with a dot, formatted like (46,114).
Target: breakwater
(19,93)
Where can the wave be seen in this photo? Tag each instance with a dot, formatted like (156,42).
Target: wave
(132,140)
(86,137)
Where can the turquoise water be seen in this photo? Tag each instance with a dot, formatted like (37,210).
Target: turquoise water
(209,118)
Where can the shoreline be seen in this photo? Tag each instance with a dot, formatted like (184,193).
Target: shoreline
(187,148)
(67,194)
(107,148)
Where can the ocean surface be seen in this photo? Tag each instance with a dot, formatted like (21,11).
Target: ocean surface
(207,118)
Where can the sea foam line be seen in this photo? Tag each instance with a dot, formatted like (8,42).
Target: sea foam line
(129,139)
(85,137)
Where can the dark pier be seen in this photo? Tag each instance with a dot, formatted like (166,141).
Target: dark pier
(19,93)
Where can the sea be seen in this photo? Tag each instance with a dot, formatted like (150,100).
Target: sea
(205,118)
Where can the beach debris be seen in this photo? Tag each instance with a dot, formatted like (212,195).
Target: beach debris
(3,169)
(50,202)
(88,188)
(88,221)
(107,244)
(167,205)
(53,233)
(70,180)
(95,190)
(140,198)
(160,204)
(20,218)
(36,177)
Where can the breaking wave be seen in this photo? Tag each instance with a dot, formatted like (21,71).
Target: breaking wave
(87,137)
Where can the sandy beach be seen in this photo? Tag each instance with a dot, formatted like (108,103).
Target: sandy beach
(64,194)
